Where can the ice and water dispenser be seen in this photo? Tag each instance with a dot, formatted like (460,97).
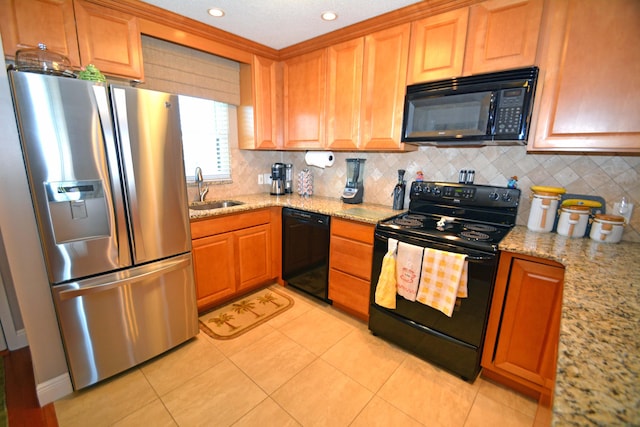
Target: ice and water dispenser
(78,210)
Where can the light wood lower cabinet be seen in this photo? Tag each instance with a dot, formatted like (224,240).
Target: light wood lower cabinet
(521,344)
(233,254)
(350,257)
(213,260)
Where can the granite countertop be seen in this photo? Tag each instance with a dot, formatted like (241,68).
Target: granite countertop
(598,371)
(364,212)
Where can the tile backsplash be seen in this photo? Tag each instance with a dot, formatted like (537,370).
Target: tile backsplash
(610,177)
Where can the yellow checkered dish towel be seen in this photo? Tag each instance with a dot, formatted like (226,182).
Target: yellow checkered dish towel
(443,279)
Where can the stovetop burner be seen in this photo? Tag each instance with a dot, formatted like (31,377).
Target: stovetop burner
(474,235)
(486,228)
(409,220)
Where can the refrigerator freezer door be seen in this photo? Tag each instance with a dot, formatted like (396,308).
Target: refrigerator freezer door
(67,138)
(148,127)
(113,322)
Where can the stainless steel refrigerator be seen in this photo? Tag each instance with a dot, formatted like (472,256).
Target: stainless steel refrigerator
(106,174)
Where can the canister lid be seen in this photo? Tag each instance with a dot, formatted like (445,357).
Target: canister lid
(609,218)
(545,190)
(577,208)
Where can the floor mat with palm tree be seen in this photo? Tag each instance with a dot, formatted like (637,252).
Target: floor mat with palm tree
(239,316)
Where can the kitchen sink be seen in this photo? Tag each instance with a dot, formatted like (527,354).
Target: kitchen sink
(214,204)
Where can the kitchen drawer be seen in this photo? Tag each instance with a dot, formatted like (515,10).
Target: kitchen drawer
(351,257)
(352,230)
(349,291)
(225,223)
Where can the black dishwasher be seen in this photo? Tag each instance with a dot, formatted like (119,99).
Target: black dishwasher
(305,251)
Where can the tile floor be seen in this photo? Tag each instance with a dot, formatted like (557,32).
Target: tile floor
(309,366)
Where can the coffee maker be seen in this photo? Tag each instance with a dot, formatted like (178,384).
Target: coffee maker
(354,189)
(277,179)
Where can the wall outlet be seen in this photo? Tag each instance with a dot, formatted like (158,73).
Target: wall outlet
(267,178)
(625,212)
(260,179)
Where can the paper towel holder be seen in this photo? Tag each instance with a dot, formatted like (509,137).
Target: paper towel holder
(320,159)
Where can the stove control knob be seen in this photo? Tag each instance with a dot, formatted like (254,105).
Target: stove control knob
(506,197)
(437,191)
(494,195)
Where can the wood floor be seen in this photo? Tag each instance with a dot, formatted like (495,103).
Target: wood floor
(22,402)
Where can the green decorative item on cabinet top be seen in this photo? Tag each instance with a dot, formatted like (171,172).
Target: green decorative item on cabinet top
(92,73)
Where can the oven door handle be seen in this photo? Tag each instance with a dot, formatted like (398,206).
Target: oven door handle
(478,258)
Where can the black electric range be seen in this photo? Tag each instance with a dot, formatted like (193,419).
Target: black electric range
(461,218)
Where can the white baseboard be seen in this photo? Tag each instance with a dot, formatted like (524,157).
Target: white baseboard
(54,389)
(21,340)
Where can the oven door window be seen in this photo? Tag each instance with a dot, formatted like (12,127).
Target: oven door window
(451,116)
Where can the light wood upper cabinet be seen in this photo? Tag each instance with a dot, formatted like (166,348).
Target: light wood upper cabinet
(344,93)
(384,83)
(494,35)
(590,78)
(84,32)
(260,102)
(437,46)
(304,100)
(26,23)
(109,39)
(502,34)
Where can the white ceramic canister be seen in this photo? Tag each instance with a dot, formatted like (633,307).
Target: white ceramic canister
(607,228)
(543,211)
(573,220)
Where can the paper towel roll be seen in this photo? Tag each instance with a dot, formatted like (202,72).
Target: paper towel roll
(321,159)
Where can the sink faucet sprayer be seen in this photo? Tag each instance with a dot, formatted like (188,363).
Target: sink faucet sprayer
(200,181)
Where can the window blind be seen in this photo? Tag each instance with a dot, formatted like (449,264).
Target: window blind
(169,67)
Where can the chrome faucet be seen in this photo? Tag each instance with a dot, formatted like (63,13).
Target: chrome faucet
(199,180)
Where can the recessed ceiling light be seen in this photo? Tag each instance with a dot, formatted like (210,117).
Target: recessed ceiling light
(329,16)
(214,11)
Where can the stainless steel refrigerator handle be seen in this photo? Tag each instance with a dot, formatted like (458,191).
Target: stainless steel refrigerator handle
(101,287)
(112,159)
(120,100)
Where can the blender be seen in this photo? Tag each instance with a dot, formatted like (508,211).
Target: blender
(354,189)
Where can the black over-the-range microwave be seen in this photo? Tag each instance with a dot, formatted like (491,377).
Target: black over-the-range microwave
(481,109)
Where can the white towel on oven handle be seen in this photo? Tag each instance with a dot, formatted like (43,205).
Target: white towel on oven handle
(408,266)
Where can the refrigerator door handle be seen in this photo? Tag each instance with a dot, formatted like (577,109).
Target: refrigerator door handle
(101,287)
(121,118)
(112,158)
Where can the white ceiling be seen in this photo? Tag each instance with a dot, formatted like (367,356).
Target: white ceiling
(280,23)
